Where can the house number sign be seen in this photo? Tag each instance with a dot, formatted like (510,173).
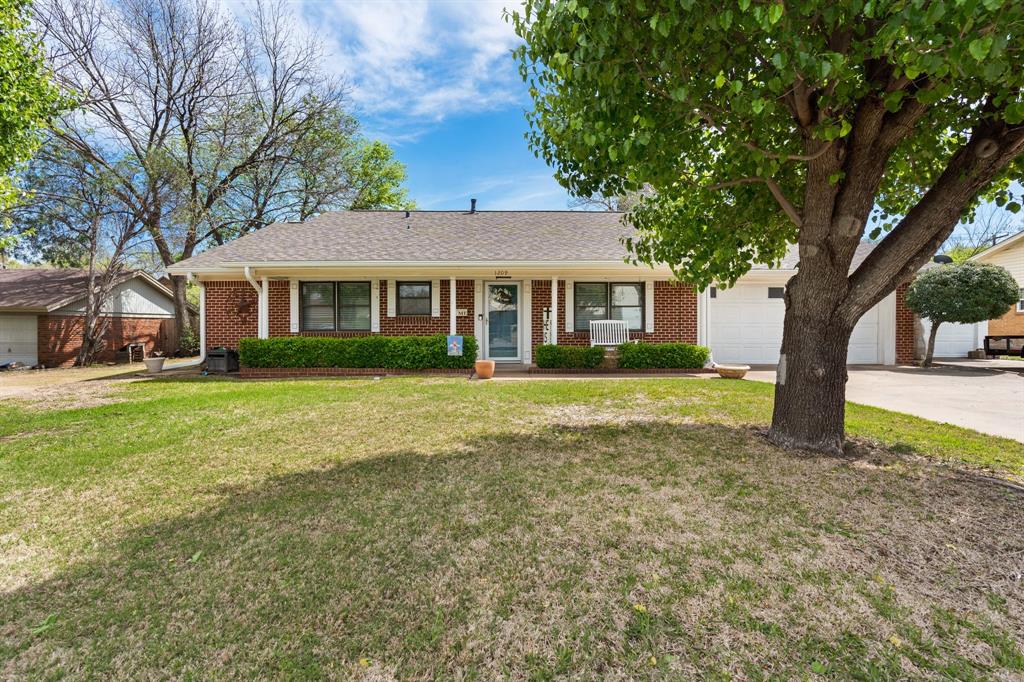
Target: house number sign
(502,274)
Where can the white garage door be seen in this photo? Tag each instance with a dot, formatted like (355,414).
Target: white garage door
(953,340)
(745,326)
(18,339)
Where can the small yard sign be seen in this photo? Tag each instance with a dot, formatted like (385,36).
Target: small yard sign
(455,345)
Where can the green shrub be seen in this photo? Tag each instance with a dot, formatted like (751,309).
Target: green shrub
(375,352)
(662,356)
(568,357)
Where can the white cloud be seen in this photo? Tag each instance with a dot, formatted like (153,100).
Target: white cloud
(417,62)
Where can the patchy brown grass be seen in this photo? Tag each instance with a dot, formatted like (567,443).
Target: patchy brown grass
(412,529)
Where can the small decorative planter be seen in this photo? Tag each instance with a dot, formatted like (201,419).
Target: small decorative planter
(154,365)
(732,371)
(484,369)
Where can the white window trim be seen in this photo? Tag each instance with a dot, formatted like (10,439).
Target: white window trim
(293,306)
(649,306)
(435,298)
(375,306)
(391,298)
(570,306)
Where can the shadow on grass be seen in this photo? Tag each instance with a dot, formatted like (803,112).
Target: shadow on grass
(515,555)
(427,563)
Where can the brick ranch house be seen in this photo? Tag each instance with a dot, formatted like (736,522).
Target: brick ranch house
(512,279)
(42,314)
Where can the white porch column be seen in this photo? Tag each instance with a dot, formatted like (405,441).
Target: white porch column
(451,307)
(553,323)
(264,309)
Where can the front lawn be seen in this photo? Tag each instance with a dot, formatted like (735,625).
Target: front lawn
(421,528)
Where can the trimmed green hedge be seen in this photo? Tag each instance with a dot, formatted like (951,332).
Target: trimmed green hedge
(385,352)
(568,357)
(662,356)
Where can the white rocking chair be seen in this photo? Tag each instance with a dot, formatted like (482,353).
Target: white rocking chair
(608,333)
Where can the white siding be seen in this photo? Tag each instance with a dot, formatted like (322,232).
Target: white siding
(134,298)
(1011,258)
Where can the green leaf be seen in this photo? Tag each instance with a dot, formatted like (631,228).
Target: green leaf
(819,667)
(757,105)
(979,47)
(775,13)
(720,80)
(582,11)
(744,5)
(1013,207)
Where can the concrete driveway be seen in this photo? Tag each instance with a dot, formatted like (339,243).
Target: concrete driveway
(983,400)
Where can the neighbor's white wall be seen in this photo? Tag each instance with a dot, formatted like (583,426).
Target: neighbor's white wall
(1011,258)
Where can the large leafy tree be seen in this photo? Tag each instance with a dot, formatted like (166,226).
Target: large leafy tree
(964,293)
(758,124)
(28,99)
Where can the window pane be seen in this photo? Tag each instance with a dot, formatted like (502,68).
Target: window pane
(590,302)
(414,298)
(354,318)
(317,317)
(776,292)
(354,293)
(418,290)
(626,294)
(633,316)
(317,306)
(318,293)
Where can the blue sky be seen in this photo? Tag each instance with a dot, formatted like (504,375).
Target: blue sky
(436,80)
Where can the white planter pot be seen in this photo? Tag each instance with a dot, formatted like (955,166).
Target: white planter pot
(154,365)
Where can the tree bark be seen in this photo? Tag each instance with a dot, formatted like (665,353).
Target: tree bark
(178,287)
(927,362)
(810,388)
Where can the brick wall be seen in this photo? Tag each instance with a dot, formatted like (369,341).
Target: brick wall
(231,310)
(60,337)
(675,315)
(906,325)
(1010,324)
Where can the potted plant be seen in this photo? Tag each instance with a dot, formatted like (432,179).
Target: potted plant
(732,371)
(484,369)
(154,363)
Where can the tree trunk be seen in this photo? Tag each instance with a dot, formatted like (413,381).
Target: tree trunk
(810,387)
(181,317)
(927,362)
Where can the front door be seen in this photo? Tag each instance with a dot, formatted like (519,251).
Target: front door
(502,321)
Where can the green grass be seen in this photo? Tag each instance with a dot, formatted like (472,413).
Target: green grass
(445,528)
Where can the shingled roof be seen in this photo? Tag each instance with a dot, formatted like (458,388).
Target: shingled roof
(428,236)
(370,237)
(44,289)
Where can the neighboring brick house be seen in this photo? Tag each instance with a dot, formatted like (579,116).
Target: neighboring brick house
(352,273)
(1008,253)
(42,315)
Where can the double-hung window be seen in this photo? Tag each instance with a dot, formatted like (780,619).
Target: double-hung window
(1020,303)
(413,298)
(608,301)
(335,306)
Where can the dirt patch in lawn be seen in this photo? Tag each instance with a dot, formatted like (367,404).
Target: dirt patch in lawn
(71,395)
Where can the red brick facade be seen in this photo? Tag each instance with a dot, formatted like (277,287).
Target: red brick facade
(675,315)
(60,337)
(231,309)
(906,325)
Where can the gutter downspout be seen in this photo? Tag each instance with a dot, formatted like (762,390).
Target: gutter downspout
(202,326)
(260,331)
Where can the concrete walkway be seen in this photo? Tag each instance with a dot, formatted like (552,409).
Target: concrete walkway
(990,401)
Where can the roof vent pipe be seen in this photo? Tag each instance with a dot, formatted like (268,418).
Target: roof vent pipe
(472,205)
